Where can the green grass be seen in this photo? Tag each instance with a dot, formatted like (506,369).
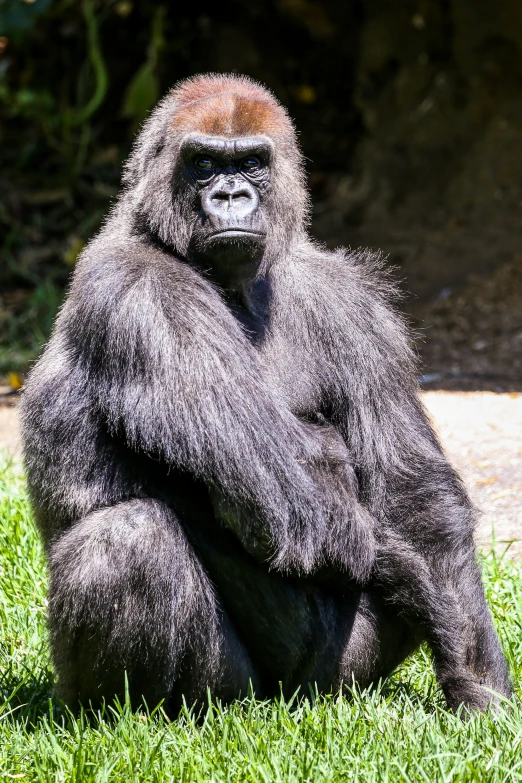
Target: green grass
(399,732)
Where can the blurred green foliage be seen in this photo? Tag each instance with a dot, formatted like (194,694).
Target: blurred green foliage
(25,323)
(60,157)
(144,88)
(17,16)
(77,77)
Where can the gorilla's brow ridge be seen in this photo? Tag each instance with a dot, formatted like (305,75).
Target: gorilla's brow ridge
(231,114)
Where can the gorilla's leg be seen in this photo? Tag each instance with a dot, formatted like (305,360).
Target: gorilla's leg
(294,630)
(300,633)
(128,594)
(378,640)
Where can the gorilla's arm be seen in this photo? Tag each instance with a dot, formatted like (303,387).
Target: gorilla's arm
(168,367)
(372,395)
(336,309)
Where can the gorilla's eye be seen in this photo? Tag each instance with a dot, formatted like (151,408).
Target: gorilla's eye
(251,164)
(205,164)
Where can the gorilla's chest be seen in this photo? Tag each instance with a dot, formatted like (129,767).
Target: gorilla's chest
(293,372)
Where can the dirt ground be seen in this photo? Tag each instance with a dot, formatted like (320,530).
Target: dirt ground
(482,435)
(472,339)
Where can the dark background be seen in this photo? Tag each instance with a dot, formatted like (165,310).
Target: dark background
(409,113)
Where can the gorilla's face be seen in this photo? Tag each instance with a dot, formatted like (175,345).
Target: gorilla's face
(232,178)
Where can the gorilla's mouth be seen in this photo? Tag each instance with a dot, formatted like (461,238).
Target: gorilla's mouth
(236,233)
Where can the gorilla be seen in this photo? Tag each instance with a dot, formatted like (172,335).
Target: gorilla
(227,458)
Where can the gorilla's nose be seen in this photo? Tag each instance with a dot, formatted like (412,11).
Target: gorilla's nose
(229,200)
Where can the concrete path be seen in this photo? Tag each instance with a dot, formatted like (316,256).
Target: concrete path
(482,435)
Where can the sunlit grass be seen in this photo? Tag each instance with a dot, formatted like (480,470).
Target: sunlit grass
(398,732)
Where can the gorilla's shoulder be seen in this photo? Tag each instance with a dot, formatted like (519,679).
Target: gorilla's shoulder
(344,297)
(112,267)
(352,275)
(122,259)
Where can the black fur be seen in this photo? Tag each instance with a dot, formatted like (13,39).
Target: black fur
(241,484)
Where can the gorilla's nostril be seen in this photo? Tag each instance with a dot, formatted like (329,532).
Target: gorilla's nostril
(239,195)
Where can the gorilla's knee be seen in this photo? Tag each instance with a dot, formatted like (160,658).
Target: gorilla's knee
(127,595)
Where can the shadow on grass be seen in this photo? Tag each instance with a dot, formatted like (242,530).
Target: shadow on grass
(429,700)
(30,700)
(26,699)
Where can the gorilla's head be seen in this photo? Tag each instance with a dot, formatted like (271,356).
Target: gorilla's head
(216,176)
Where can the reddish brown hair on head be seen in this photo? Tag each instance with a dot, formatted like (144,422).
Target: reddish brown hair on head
(228,105)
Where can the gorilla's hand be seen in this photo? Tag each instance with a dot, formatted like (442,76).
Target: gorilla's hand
(326,532)
(348,543)
(286,533)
